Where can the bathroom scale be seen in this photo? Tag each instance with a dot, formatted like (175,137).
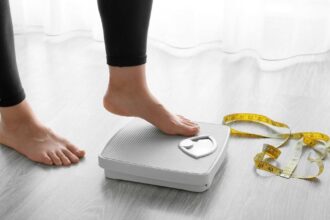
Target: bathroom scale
(140,152)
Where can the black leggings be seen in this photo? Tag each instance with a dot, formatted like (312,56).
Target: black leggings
(125,26)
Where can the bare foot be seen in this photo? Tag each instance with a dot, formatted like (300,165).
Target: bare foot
(21,131)
(128,95)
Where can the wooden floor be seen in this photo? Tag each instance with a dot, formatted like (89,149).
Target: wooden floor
(65,80)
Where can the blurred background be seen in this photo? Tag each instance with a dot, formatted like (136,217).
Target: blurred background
(274,30)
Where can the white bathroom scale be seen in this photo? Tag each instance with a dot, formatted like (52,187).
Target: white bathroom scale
(139,152)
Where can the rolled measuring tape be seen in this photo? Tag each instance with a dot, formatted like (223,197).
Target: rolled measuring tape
(269,152)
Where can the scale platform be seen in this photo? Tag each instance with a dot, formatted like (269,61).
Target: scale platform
(139,152)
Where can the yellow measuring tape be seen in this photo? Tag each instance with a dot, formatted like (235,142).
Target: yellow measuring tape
(269,152)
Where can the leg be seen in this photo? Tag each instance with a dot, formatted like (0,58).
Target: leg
(125,25)
(19,128)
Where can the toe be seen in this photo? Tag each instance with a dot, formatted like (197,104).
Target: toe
(192,126)
(65,160)
(56,160)
(45,159)
(71,147)
(72,157)
(187,121)
(180,127)
(188,130)
(79,153)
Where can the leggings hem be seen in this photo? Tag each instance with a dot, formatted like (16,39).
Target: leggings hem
(12,100)
(126,61)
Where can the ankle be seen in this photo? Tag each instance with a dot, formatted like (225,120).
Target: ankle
(127,79)
(14,116)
